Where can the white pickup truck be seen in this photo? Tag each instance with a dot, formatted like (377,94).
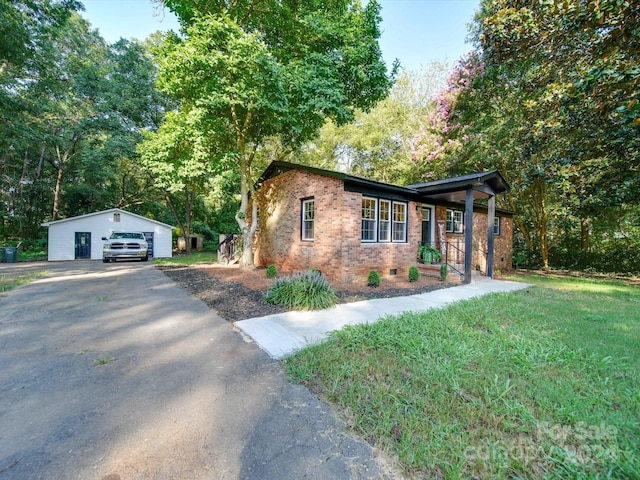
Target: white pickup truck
(125,245)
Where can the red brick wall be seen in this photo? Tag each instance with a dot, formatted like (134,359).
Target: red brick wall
(361,257)
(279,238)
(337,250)
(502,243)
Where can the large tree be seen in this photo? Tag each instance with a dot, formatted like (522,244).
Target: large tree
(551,98)
(395,142)
(181,160)
(29,30)
(72,110)
(272,68)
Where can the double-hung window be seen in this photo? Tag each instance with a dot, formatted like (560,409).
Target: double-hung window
(383,220)
(497,224)
(308,218)
(384,223)
(369,217)
(454,221)
(399,222)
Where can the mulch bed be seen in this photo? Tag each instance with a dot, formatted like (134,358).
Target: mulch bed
(237,294)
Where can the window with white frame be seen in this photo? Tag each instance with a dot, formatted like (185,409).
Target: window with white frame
(384,223)
(369,216)
(497,225)
(399,222)
(308,218)
(383,220)
(455,221)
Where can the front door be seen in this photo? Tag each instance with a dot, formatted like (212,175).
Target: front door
(427,226)
(83,245)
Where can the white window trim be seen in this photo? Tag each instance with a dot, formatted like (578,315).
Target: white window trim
(374,219)
(389,221)
(403,223)
(453,221)
(497,226)
(304,232)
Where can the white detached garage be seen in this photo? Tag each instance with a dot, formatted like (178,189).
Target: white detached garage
(81,237)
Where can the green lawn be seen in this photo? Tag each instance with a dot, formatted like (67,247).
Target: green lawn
(9,282)
(541,383)
(188,259)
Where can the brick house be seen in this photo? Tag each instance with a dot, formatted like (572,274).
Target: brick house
(346,226)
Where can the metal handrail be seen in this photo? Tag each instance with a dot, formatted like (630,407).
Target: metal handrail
(227,247)
(444,250)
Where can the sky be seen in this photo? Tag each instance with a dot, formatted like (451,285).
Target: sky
(416,32)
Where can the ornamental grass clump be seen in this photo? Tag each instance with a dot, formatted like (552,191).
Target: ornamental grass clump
(302,291)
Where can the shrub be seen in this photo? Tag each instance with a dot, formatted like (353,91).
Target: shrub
(373,279)
(302,291)
(444,270)
(272,271)
(414,273)
(428,254)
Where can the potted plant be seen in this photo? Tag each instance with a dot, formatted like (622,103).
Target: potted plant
(428,254)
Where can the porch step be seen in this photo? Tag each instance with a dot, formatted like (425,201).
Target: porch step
(433,270)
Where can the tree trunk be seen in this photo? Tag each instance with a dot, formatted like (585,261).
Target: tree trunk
(246,188)
(246,261)
(188,200)
(538,193)
(584,235)
(172,207)
(62,162)
(56,192)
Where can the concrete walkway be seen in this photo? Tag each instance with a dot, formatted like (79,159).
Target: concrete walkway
(282,334)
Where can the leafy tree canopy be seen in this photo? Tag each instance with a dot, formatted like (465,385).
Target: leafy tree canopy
(264,69)
(551,98)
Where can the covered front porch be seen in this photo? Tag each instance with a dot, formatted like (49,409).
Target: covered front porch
(449,223)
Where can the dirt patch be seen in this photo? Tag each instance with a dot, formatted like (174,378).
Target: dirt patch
(237,294)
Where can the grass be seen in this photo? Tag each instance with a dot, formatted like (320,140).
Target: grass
(104,360)
(541,383)
(9,282)
(188,259)
(33,255)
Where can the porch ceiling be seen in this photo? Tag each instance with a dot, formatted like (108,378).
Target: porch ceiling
(483,185)
(456,196)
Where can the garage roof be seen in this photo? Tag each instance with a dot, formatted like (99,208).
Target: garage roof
(112,210)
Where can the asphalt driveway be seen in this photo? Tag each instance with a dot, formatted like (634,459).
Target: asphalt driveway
(111,371)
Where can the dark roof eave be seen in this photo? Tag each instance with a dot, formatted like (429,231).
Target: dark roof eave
(496,183)
(383,187)
(493,178)
(278,167)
